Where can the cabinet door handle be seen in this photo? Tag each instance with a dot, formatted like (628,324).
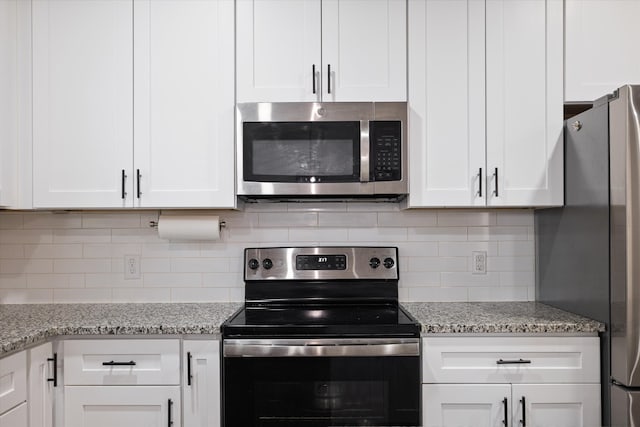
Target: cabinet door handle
(54,359)
(524,412)
(123,181)
(170,413)
(480,182)
(313,77)
(512,362)
(329,78)
(138,182)
(189,376)
(505,421)
(112,363)
(495,174)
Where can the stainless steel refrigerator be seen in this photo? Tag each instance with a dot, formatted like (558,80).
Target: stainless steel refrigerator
(588,252)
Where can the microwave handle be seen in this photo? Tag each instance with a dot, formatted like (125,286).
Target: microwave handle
(365,161)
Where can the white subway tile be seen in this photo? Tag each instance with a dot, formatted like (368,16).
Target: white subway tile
(8,281)
(147,216)
(170,250)
(65,296)
(24,266)
(265,207)
(236,265)
(347,219)
(200,265)
(11,251)
(414,279)
(235,219)
(531,294)
(515,217)
(137,295)
(379,234)
(468,279)
(172,280)
(531,233)
(200,295)
(236,294)
(517,278)
(497,233)
(288,219)
(372,207)
(53,251)
(448,217)
(136,235)
(510,263)
(111,220)
(466,248)
(11,220)
(412,218)
(317,207)
(35,220)
(113,250)
(438,294)
(155,265)
(257,235)
(53,281)
(516,248)
(222,249)
(403,294)
(318,235)
(82,265)
(441,264)
(437,234)
(26,236)
(82,236)
(26,296)
(407,249)
(222,280)
(497,294)
(110,280)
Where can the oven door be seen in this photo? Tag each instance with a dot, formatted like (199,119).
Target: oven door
(324,382)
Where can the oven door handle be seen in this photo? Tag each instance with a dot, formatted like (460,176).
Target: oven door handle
(321,348)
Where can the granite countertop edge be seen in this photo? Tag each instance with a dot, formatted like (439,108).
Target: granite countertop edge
(26,325)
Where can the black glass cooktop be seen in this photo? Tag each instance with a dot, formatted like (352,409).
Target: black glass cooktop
(321,320)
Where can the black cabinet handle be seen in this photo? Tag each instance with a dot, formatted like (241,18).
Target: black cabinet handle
(480,182)
(112,363)
(189,376)
(506,412)
(524,412)
(123,181)
(169,413)
(54,359)
(138,182)
(512,362)
(495,173)
(313,79)
(329,78)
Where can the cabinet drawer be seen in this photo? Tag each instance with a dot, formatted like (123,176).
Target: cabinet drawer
(511,359)
(13,381)
(122,362)
(17,417)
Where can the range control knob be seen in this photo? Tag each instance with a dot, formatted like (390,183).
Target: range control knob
(267,263)
(254,264)
(374,262)
(388,262)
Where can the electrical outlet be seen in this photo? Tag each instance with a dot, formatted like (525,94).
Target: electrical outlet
(132,266)
(479,260)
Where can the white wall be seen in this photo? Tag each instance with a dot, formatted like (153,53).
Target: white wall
(79,256)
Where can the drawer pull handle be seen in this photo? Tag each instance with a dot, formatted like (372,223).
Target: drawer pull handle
(112,363)
(54,359)
(512,362)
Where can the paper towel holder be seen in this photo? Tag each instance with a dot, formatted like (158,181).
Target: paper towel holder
(154,224)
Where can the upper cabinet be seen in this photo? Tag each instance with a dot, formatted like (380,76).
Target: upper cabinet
(321,50)
(111,127)
(600,44)
(485,105)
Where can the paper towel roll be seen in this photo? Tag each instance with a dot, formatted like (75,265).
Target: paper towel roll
(189,227)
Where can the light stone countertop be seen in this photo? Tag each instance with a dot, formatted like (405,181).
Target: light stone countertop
(498,317)
(24,325)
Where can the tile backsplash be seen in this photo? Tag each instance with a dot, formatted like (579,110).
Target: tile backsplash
(79,256)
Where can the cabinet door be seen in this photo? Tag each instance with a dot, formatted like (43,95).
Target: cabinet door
(96,406)
(465,405)
(524,102)
(8,100)
(557,405)
(82,103)
(184,103)
(17,417)
(600,38)
(40,388)
(201,383)
(364,50)
(446,103)
(13,381)
(277,48)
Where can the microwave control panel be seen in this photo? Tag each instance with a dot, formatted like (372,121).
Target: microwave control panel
(386,152)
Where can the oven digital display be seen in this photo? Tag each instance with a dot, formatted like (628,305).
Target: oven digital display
(321,262)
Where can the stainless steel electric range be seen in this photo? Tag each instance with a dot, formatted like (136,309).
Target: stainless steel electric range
(321,341)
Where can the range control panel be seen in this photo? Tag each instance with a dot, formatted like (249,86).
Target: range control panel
(321,263)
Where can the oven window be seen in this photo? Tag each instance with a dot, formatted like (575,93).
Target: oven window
(341,391)
(301,151)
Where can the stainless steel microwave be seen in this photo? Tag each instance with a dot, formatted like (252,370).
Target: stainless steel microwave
(333,149)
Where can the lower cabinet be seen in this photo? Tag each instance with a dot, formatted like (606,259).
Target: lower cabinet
(13,390)
(511,381)
(201,383)
(16,417)
(42,381)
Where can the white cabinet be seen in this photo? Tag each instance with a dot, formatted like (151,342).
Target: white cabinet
(8,100)
(91,68)
(600,41)
(42,380)
(13,390)
(533,381)
(201,383)
(16,417)
(321,50)
(485,106)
